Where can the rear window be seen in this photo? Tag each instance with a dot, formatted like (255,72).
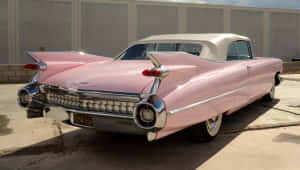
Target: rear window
(139,51)
(194,49)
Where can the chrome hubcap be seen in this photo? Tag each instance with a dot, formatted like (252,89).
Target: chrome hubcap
(213,125)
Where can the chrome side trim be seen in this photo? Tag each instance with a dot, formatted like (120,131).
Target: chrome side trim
(207,100)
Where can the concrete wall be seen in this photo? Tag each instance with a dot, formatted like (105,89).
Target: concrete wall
(15,73)
(105,27)
(205,20)
(3,31)
(44,24)
(283,35)
(162,21)
(249,23)
(291,67)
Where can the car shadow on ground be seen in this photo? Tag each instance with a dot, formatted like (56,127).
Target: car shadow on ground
(4,130)
(85,148)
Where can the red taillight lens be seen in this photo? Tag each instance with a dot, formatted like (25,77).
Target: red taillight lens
(153,73)
(32,67)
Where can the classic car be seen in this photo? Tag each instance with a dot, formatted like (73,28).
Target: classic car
(157,86)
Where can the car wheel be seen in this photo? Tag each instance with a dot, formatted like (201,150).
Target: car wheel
(35,110)
(206,131)
(270,96)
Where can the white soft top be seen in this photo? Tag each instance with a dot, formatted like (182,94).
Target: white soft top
(215,46)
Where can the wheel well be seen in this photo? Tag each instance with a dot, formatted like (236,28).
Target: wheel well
(277,79)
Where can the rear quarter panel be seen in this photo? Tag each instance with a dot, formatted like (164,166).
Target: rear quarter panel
(262,72)
(233,78)
(275,65)
(182,89)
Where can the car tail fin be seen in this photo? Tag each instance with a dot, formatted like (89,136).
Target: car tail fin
(169,61)
(180,61)
(173,58)
(65,56)
(54,62)
(158,71)
(63,60)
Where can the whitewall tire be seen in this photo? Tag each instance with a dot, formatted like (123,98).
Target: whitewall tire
(206,131)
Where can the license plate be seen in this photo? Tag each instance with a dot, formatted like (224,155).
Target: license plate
(82,119)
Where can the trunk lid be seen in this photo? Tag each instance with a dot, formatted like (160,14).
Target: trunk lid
(116,76)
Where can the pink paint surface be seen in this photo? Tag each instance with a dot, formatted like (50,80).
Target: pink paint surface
(207,79)
(189,81)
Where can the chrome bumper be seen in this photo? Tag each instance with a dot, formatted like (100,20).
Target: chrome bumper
(110,124)
(112,121)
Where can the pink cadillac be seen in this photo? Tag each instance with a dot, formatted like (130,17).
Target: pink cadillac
(158,86)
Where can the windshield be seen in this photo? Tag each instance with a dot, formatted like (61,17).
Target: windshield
(139,51)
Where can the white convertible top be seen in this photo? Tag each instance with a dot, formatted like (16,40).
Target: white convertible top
(215,46)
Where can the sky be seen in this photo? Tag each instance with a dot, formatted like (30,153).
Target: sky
(286,4)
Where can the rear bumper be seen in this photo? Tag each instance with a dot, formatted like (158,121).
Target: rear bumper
(110,124)
(104,121)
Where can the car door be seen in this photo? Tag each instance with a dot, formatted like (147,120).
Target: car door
(256,75)
(234,57)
